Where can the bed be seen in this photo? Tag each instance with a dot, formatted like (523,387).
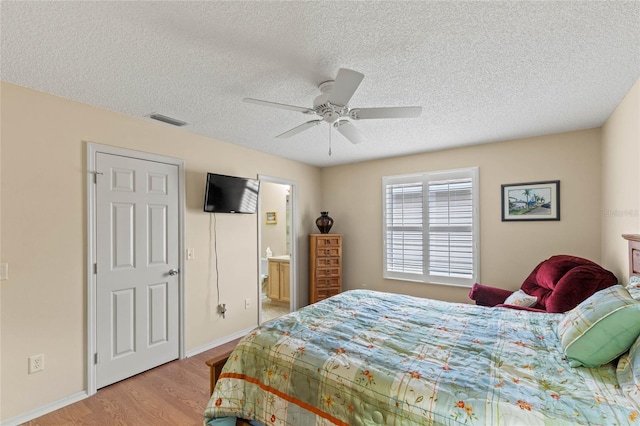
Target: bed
(369,358)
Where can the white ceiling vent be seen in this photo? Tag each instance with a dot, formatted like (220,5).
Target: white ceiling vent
(168,120)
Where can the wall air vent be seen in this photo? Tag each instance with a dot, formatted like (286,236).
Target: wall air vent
(168,120)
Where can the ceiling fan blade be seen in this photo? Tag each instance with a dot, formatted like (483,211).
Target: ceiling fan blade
(298,129)
(345,85)
(391,112)
(349,131)
(277,105)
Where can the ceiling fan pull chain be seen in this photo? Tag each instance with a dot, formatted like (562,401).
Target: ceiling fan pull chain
(330,126)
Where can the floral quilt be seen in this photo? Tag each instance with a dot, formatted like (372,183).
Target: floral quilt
(372,358)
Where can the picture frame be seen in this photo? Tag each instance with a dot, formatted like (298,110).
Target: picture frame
(531,201)
(272,218)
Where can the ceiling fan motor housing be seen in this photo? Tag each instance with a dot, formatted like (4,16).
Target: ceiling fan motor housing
(321,105)
(329,112)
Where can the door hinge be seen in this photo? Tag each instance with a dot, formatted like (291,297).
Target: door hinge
(95,176)
(95,268)
(95,358)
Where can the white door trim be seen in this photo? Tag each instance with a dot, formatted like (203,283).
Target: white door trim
(294,304)
(92,149)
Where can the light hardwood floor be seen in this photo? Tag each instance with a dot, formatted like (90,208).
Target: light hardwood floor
(173,394)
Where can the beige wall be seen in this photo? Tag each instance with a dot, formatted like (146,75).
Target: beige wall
(621,181)
(44,235)
(508,250)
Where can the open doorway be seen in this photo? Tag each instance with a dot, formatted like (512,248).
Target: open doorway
(277,260)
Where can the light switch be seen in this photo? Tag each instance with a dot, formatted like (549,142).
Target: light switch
(189,254)
(4,271)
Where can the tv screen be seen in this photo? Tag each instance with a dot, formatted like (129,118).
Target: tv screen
(230,194)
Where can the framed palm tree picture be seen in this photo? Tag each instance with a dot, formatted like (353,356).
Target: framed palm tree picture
(531,201)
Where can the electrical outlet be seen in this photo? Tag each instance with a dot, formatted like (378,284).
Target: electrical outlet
(222,309)
(247,303)
(190,254)
(4,271)
(36,363)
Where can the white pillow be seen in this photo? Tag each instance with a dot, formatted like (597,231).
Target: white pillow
(520,298)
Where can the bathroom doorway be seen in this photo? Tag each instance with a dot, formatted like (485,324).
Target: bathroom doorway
(276,243)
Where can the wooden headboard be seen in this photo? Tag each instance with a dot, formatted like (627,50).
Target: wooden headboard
(634,254)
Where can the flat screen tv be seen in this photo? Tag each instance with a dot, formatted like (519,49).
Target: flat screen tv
(230,194)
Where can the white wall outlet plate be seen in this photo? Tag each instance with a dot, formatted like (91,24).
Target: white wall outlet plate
(4,271)
(36,363)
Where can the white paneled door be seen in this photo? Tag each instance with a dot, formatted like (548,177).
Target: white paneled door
(137,266)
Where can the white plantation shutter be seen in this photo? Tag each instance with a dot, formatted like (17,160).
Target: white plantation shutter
(451,228)
(430,227)
(404,228)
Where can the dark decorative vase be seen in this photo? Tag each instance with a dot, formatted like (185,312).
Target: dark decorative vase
(324,222)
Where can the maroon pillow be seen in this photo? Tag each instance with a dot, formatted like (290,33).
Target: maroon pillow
(561,282)
(577,285)
(553,270)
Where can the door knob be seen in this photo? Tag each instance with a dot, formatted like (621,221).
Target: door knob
(174,271)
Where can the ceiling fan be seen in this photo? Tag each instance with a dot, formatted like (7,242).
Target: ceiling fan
(332,106)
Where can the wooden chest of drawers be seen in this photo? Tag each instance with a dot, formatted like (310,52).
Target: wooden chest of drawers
(325,266)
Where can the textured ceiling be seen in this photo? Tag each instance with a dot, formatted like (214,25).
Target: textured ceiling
(482,71)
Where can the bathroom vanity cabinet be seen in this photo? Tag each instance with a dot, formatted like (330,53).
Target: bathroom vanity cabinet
(278,289)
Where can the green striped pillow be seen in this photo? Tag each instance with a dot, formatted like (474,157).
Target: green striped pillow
(600,328)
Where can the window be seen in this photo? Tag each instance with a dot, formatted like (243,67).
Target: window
(431,226)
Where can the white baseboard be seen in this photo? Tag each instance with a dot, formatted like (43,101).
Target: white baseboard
(218,342)
(45,409)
